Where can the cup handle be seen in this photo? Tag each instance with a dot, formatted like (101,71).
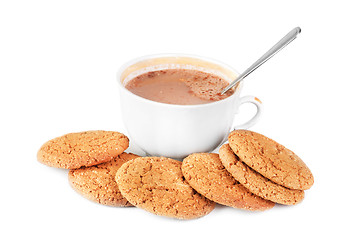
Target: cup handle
(255,118)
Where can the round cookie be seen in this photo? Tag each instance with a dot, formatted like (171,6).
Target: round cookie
(255,182)
(75,150)
(206,174)
(271,159)
(97,183)
(156,184)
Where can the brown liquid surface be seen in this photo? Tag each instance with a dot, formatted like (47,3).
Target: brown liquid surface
(179,86)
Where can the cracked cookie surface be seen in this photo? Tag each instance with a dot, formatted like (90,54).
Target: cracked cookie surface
(75,150)
(97,183)
(156,184)
(271,159)
(207,175)
(257,183)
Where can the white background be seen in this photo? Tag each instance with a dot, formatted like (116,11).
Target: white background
(58,61)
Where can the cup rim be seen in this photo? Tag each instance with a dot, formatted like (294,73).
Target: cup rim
(163,55)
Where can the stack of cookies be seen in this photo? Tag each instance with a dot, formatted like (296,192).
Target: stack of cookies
(93,158)
(100,171)
(265,167)
(252,172)
(263,170)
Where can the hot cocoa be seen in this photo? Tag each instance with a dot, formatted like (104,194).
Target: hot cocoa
(179,86)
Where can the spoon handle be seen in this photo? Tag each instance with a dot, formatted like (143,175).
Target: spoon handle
(270,53)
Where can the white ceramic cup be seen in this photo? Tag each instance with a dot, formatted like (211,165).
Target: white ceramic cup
(176,131)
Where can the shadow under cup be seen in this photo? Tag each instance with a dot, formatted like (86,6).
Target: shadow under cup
(170,130)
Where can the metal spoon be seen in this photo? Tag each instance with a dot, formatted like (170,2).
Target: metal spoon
(270,53)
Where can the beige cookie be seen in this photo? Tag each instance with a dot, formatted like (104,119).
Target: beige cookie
(156,184)
(255,182)
(75,150)
(206,174)
(97,183)
(271,159)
